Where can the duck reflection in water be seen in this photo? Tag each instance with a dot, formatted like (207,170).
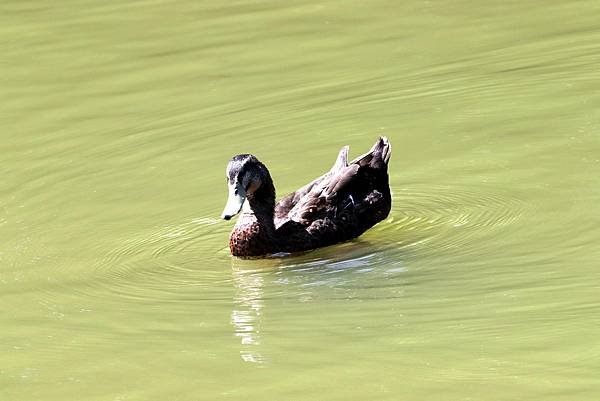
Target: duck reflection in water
(247,313)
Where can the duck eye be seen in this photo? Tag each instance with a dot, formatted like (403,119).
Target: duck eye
(236,191)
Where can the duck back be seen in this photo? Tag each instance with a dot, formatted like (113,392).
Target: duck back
(338,206)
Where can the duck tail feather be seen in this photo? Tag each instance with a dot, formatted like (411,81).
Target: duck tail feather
(342,159)
(380,152)
(386,150)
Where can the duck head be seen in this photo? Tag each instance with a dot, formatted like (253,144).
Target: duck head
(246,178)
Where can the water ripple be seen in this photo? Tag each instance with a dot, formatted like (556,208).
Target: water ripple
(427,222)
(165,262)
(447,220)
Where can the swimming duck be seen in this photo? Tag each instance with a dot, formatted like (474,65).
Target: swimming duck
(338,206)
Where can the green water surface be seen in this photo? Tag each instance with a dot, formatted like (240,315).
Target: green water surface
(117,120)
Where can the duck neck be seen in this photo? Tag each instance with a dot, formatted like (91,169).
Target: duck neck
(254,232)
(262,202)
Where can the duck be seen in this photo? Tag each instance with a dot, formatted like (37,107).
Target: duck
(338,206)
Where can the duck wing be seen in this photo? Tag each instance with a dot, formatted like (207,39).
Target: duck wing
(343,202)
(308,193)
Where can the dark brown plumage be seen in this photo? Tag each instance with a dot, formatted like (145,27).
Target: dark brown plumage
(338,206)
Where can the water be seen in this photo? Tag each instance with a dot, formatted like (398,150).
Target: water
(117,122)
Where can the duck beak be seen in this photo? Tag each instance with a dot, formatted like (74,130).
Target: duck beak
(236,199)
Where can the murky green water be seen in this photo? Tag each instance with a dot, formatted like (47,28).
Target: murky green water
(118,119)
